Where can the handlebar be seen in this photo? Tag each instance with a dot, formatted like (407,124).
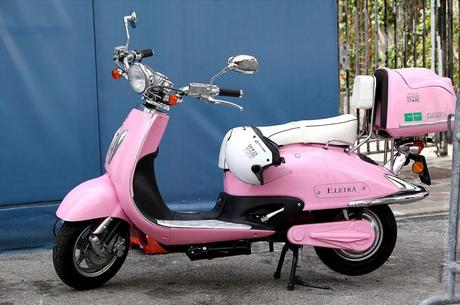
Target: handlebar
(124,58)
(230,92)
(137,56)
(147,53)
(156,88)
(207,93)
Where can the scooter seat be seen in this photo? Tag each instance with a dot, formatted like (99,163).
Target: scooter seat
(338,130)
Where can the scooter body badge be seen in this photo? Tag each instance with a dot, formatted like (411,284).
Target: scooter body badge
(339,190)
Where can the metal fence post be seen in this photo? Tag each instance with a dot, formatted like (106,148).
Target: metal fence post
(451,266)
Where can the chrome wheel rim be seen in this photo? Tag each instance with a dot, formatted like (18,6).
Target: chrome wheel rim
(376,223)
(86,261)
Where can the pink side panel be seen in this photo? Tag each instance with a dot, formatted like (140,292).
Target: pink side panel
(154,137)
(185,236)
(419,130)
(92,199)
(355,235)
(200,236)
(321,178)
(145,131)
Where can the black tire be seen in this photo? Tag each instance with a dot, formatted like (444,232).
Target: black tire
(63,256)
(354,263)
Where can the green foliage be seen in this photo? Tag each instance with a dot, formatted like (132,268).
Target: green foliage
(406,20)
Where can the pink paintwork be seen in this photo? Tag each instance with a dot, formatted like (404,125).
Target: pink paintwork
(145,131)
(95,198)
(355,235)
(112,193)
(321,178)
(421,95)
(185,236)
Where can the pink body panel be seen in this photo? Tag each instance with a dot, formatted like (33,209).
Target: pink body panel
(144,134)
(95,198)
(321,178)
(416,92)
(180,236)
(355,235)
(339,178)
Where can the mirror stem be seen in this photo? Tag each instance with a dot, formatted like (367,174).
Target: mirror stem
(223,71)
(127,33)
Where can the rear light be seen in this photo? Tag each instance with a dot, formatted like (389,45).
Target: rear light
(420,145)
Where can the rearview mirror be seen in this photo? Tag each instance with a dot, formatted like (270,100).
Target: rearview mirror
(131,19)
(243,63)
(240,63)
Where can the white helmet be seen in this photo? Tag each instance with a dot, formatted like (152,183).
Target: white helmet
(248,153)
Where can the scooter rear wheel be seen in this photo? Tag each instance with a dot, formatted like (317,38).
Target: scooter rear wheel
(359,263)
(78,264)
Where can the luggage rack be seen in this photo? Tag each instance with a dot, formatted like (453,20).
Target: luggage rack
(384,145)
(367,136)
(388,146)
(395,156)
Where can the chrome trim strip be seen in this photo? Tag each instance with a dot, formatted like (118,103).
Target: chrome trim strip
(202,224)
(422,124)
(403,197)
(408,193)
(402,185)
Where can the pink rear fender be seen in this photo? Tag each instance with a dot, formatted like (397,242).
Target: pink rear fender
(321,178)
(95,198)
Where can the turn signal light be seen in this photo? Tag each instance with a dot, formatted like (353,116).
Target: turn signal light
(417,167)
(116,74)
(172,99)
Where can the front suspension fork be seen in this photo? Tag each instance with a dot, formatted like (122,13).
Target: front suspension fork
(104,241)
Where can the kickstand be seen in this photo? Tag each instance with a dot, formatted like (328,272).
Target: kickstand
(293,278)
(277,274)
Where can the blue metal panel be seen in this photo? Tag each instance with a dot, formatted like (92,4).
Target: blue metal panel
(27,226)
(48,101)
(49,94)
(295,42)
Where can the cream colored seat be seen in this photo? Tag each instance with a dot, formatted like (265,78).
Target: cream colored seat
(342,128)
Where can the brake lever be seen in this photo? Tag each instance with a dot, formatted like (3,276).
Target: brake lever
(212,100)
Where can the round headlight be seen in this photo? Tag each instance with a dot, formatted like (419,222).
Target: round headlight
(138,77)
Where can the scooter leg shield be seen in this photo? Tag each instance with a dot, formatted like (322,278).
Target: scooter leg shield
(95,198)
(355,235)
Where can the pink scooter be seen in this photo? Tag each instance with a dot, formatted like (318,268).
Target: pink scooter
(301,183)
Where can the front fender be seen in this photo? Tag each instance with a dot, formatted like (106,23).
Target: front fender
(95,198)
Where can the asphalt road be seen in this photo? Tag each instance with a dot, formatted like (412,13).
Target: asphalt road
(408,277)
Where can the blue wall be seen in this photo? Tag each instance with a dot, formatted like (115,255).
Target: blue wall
(59,105)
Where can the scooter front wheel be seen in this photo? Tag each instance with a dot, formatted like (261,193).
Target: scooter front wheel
(76,261)
(347,262)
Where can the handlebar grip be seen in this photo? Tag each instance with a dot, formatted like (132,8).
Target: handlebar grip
(230,92)
(147,53)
